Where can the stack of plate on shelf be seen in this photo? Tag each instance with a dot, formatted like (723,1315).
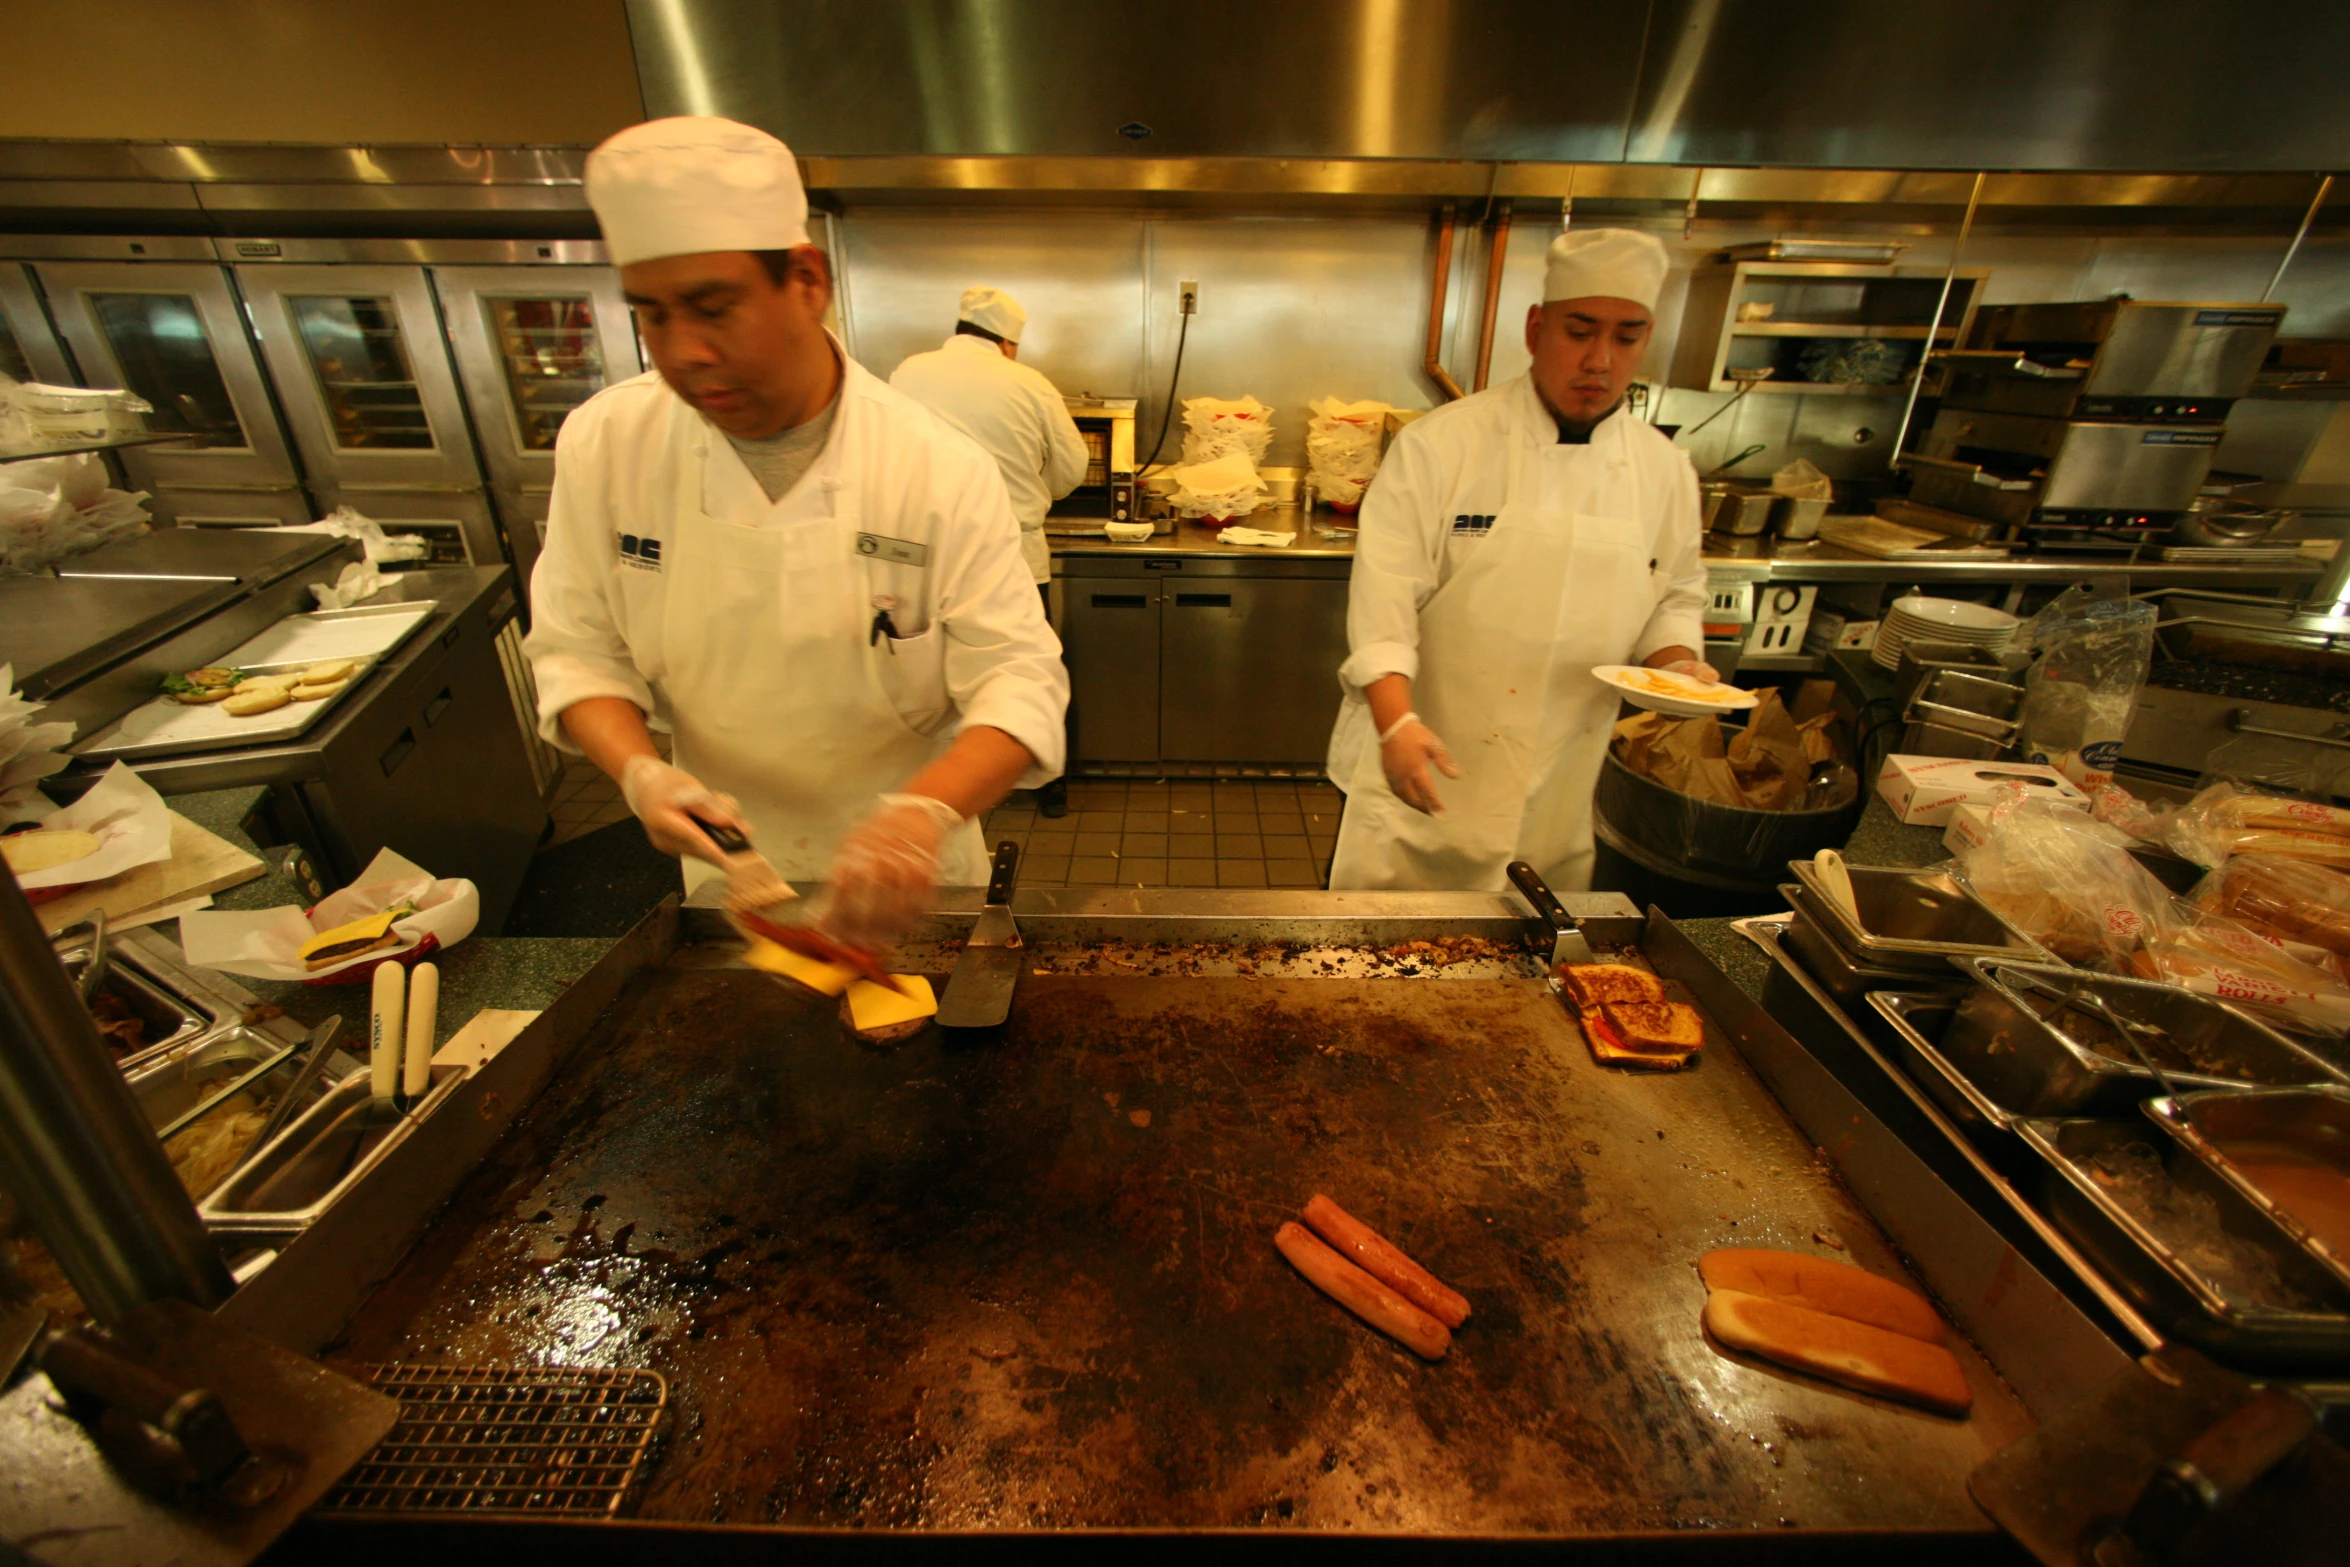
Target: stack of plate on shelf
(1941,620)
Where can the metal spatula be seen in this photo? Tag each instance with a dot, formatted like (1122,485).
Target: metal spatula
(979,992)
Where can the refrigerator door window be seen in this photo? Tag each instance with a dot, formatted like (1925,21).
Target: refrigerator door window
(12,360)
(552,361)
(364,375)
(166,357)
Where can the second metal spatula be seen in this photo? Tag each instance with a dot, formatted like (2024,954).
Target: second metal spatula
(979,992)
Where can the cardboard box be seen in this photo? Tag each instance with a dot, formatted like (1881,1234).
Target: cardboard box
(1969,826)
(1924,790)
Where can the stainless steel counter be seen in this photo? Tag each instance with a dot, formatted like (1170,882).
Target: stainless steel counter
(1768,559)
(1197,539)
(1764,559)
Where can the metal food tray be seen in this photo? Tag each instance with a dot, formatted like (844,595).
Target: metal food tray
(2311,1121)
(364,635)
(2029,1065)
(166,1089)
(2024,1220)
(308,1167)
(2154,1262)
(1847,977)
(1950,1088)
(1913,919)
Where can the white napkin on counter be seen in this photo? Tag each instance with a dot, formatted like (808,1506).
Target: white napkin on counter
(1258,538)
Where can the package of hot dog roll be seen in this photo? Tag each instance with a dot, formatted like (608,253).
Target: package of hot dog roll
(2293,900)
(2227,818)
(395,911)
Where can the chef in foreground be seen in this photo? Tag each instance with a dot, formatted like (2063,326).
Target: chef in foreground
(1511,541)
(974,382)
(812,581)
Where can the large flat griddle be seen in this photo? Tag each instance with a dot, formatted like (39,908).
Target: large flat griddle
(1029,1281)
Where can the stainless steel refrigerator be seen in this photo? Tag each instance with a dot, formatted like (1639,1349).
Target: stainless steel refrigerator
(29,350)
(173,333)
(363,371)
(532,343)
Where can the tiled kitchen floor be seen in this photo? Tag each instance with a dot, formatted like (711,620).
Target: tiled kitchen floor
(1184,833)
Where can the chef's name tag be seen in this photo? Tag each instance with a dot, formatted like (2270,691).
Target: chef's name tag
(899,552)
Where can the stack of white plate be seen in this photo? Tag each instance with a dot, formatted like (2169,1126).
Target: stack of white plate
(1917,619)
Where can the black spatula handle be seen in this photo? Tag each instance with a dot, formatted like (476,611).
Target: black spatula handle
(730,840)
(1537,892)
(1003,873)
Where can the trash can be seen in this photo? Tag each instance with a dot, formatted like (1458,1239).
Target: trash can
(1696,859)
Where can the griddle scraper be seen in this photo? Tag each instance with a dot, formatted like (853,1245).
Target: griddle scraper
(1568,944)
(979,992)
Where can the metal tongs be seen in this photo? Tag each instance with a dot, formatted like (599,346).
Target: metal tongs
(2124,1029)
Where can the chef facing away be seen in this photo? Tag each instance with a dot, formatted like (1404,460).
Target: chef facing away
(1512,541)
(812,581)
(974,381)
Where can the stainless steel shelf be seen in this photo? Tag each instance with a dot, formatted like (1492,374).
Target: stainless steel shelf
(112,443)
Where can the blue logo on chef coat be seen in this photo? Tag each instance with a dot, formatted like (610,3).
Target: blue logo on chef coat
(1472,523)
(643,554)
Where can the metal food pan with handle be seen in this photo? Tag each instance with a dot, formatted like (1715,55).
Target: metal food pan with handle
(1919,920)
(326,1152)
(2285,1150)
(1844,975)
(181,1081)
(2206,1265)
(2015,1043)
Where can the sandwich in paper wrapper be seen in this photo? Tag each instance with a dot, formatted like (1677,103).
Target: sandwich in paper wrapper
(396,912)
(121,824)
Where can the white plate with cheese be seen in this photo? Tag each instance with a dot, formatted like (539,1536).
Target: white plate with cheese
(1680,696)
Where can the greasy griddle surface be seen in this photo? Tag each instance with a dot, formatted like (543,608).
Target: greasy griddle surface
(1030,1281)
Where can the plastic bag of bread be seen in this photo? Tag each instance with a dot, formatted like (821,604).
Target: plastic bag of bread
(2295,902)
(2297,986)
(2067,881)
(2227,819)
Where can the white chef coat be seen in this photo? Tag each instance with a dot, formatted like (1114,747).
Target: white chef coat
(1601,563)
(746,626)
(1015,415)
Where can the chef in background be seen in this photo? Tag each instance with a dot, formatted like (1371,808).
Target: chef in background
(1512,540)
(974,382)
(813,582)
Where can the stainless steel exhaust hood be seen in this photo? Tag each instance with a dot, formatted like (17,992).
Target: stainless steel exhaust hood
(2178,85)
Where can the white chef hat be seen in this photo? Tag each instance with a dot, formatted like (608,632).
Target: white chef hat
(993,310)
(1610,263)
(695,183)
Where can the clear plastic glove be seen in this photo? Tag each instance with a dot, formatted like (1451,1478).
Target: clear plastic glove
(1694,668)
(1406,753)
(885,876)
(667,799)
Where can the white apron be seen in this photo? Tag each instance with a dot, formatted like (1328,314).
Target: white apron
(776,695)
(1506,647)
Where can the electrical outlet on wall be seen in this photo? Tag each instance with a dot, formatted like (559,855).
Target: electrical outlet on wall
(1187,297)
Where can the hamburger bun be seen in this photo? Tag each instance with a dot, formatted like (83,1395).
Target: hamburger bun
(245,704)
(46,848)
(327,672)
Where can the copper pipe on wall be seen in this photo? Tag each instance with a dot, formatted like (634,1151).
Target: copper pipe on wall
(1432,364)
(1494,259)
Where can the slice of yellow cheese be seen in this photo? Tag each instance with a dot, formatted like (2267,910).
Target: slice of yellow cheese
(874,1006)
(358,930)
(826,979)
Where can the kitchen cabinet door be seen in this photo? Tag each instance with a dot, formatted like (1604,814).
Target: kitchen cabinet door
(1249,669)
(1110,634)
